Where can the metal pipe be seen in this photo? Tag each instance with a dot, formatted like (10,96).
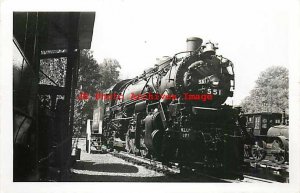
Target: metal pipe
(122,119)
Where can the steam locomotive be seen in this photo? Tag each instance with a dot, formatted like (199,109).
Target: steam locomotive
(175,112)
(270,133)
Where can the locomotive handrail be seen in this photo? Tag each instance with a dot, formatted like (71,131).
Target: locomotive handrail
(117,119)
(182,53)
(125,103)
(206,108)
(155,103)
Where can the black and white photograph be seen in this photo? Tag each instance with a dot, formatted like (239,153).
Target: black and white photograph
(124,95)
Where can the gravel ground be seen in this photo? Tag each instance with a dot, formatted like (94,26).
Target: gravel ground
(107,168)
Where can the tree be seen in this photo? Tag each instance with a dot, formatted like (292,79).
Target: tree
(109,70)
(271,92)
(92,78)
(54,68)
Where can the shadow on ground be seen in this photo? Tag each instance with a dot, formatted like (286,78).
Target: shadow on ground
(115,173)
(106,178)
(90,166)
(105,167)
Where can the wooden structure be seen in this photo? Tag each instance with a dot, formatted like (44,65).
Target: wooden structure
(42,135)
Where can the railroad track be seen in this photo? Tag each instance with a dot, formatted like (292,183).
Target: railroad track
(269,169)
(148,163)
(252,179)
(269,165)
(175,171)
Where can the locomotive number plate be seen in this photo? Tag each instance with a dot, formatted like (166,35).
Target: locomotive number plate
(214,91)
(185,133)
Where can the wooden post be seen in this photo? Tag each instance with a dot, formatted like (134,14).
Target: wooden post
(70,83)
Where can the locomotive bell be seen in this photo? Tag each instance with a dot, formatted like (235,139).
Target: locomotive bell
(193,43)
(209,49)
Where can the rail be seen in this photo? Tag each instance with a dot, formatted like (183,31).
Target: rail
(159,167)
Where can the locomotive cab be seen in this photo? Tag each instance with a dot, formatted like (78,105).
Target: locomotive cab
(259,123)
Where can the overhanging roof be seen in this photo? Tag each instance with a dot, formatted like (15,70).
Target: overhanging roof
(55,28)
(60,26)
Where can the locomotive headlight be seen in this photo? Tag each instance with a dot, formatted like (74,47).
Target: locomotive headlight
(215,83)
(214,80)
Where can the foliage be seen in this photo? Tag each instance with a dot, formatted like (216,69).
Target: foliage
(92,78)
(55,69)
(271,92)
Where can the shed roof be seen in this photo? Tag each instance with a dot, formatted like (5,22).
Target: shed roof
(55,28)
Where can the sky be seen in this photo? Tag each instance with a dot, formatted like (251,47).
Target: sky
(252,34)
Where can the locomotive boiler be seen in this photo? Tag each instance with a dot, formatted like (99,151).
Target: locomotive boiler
(175,111)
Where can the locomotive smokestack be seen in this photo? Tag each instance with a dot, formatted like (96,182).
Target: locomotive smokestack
(193,43)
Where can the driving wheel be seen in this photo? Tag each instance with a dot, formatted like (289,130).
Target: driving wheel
(258,151)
